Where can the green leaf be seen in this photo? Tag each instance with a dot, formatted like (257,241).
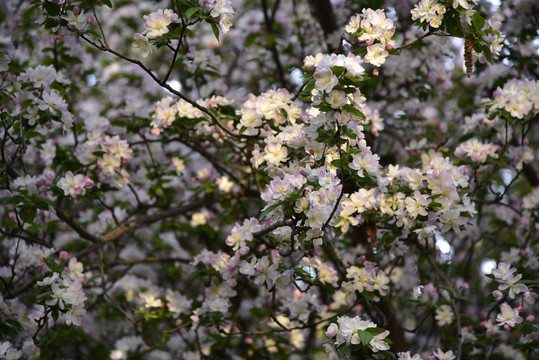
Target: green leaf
(15,69)
(107,2)
(59,88)
(52,8)
(50,23)
(190,12)
(344,352)
(268,210)
(487,53)
(28,13)
(478,21)
(375,331)
(365,337)
(13,200)
(463,138)
(355,111)
(251,38)
(93,33)
(453,25)
(215,29)
(44,295)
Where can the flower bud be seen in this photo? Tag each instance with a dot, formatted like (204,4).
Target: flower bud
(332,330)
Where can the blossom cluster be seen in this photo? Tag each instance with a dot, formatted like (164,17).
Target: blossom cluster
(367,278)
(157,23)
(430,11)
(517,97)
(221,10)
(74,185)
(273,105)
(63,291)
(477,151)
(373,27)
(347,329)
(167,110)
(351,203)
(509,283)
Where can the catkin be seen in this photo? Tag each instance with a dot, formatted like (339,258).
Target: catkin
(468,61)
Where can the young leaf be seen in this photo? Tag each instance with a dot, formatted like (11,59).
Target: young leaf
(190,12)
(478,21)
(365,337)
(215,29)
(267,211)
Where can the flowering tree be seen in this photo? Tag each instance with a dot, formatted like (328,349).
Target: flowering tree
(221,179)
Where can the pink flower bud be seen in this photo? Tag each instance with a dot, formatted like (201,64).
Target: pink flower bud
(76,10)
(64,255)
(332,330)
(248,340)
(525,142)
(369,42)
(243,251)
(389,47)
(497,294)
(90,19)
(275,256)
(530,318)
(375,72)
(50,175)
(507,327)
(520,309)
(465,286)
